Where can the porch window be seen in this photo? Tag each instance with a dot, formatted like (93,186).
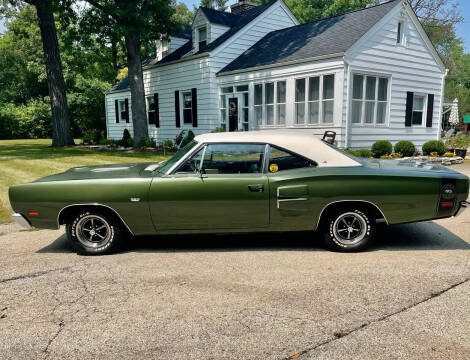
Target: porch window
(223,111)
(245,110)
(269,101)
(314,100)
(187,107)
(281,103)
(369,99)
(258,105)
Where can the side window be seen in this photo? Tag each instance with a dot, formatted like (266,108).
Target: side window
(233,159)
(280,160)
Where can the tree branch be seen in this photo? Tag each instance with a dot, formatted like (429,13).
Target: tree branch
(104,9)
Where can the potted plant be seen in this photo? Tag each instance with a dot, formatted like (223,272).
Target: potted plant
(461,143)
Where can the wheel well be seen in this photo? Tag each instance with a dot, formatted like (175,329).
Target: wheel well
(371,209)
(69,211)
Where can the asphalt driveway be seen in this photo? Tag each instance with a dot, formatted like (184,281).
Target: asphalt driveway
(240,297)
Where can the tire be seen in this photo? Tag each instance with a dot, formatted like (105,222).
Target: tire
(349,230)
(94,232)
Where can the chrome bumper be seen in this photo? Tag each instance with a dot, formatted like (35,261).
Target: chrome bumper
(21,220)
(463,206)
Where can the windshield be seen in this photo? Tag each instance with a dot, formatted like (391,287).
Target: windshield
(179,154)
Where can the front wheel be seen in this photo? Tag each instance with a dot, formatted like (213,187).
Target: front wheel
(94,233)
(348,230)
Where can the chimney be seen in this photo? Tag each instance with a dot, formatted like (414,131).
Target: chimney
(241,6)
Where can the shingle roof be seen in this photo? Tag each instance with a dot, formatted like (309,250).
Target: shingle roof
(220,17)
(324,37)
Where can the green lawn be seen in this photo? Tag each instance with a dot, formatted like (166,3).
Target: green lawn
(25,160)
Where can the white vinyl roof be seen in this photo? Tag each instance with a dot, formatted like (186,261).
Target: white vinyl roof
(300,142)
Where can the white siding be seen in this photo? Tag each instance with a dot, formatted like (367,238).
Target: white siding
(215,30)
(410,68)
(114,129)
(176,42)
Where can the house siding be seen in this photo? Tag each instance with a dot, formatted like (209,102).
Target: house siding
(409,68)
(176,42)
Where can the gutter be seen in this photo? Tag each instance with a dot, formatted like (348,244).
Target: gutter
(285,63)
(182,59)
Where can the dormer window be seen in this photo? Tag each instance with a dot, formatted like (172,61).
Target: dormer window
(202,35)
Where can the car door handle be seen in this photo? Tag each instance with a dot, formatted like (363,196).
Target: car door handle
(256,188)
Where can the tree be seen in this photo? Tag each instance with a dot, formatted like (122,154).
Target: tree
(61,130)
(137,21)
(182,14)
(220,5)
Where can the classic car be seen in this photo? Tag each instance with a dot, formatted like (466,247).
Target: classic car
(256,181)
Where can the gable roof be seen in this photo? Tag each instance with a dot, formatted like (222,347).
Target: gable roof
(334,35)
(219,17)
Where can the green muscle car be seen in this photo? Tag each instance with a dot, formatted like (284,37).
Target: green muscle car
(241,182)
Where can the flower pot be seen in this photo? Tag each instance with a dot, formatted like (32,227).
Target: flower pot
(461,152)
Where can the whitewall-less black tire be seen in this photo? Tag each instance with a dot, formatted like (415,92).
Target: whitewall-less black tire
(348,230)
(92,232)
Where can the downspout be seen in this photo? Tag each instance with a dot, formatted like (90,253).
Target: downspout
(439,122)
(348,79)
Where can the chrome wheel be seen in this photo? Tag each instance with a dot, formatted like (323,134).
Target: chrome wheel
(350,228)
(93,231)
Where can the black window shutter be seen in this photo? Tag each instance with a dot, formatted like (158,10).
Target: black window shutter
(194,106)
(177,108)
(126,101)
(409,108)
(430,111)
(116,108)
(157,110)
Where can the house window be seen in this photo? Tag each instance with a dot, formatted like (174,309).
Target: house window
(314,100)
(369,100)
(150,102)
(202,33)
(400,33)
(269,101)
(227,90)
(418,109)
(187,107)
(223,111)
(281,103)
(258,104)
(122,110)
(245,110)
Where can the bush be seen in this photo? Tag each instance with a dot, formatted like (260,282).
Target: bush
(434,146)
(363,153)
(406,148)
(92,137)
(147,142)
(127,140)
(187,139)
(381,147)
(168,144)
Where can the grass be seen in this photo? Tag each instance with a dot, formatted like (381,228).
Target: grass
(22,161)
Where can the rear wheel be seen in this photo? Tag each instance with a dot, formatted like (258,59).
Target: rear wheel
(93,232)
(348,230)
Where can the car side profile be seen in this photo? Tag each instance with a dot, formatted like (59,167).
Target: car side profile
(257,181)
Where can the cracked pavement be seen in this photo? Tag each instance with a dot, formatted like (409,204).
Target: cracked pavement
(240,297)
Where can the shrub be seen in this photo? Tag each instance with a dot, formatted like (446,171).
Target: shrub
(434,146)
(381,147)
(126,140)
(147,142)
(386,156)
(167,144)
(406,148)
(187,139)
(364,153)
(461,141)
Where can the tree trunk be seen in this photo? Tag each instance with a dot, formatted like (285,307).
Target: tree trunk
(114,52)
(61,131)
(136,83)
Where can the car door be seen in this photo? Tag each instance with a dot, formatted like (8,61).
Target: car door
(223,186)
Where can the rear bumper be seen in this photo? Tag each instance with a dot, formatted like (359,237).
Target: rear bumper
(463,206)
(21,220)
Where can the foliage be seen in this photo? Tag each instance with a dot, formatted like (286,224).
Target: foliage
(461,141)
(147,143)
(434,146)
(364,153)
(219,129)
(406,148)
(214,4)
(182,15)
(187,139)
(434,154)
(167,144)
(386,156)
(32,120)
(381,147)
(126,140)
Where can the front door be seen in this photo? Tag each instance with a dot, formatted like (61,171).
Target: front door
(233,114)
(223,186)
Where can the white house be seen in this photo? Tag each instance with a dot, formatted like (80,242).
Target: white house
(369,74)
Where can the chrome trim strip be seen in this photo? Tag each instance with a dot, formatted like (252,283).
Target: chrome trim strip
(464,205)
(93,204)
(21,220)
(293,199)
(339,201)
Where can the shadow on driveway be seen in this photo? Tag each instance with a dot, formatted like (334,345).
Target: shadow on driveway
(417,236)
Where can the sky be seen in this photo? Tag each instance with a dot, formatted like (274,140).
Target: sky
(463,29)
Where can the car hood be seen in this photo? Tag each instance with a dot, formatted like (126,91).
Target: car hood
(405,165)
(113,171)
